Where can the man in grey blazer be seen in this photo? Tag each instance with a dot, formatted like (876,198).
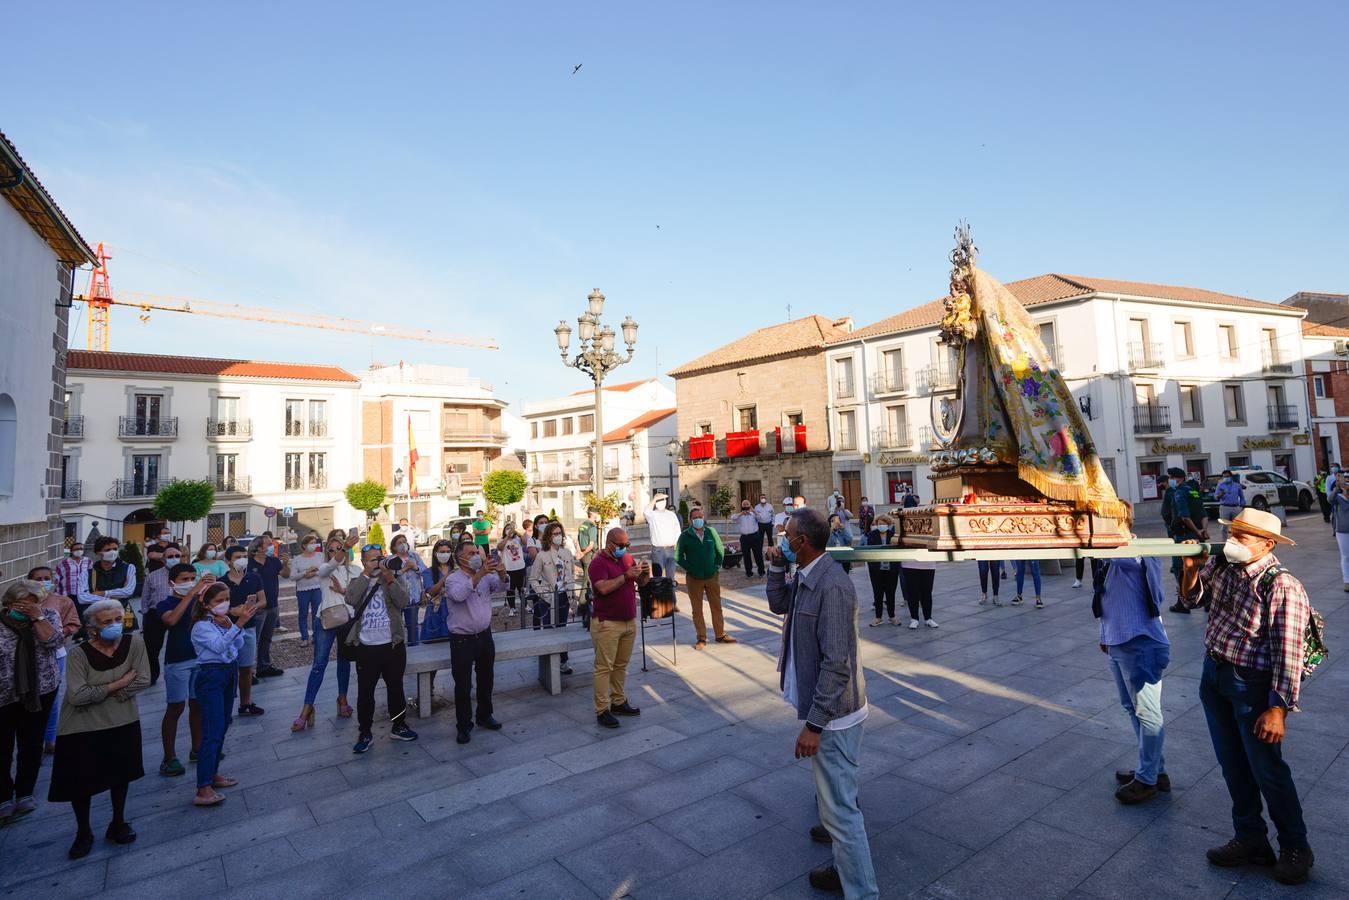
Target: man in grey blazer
(821,676)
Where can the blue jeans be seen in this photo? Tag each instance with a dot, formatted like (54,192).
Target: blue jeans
(324,638)
(664,557)
(836,769)
(309,606)
(1021,566)
(215,697)
(1137,665)
(410,624)
(1233,697)
(50,736)
(985,568)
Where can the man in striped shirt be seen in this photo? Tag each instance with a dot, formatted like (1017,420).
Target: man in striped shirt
(1257,614)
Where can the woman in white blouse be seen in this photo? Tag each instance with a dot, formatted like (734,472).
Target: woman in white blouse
(553,578)
(333,574)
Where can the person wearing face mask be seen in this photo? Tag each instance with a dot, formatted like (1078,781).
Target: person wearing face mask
(613,626)
(378,640)
(270,564)
(155,590)
(780,520)
(664,527)
(335,574)
(820,675)
(699,553)
(30,636)
(1339,517)
(306,572)
(72,572)
(154,550)
(180,663)
(411,576)
(1251,680)
(884,575)
(472,650)
(218,630)
(866,515)
(209,560)
(751,541)
(1183,513)
(98,739)
(65,609)
(512,553)
(553,577)
(435,623)
(763,512)
(110,577)
(1231,498)
(244,587)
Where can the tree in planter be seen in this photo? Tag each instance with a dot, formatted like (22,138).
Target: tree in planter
(368,496)
(607,506)
(720,502)
(184,501)
(684,513)
(503,488)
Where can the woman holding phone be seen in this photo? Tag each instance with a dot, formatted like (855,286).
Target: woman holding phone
(217,639)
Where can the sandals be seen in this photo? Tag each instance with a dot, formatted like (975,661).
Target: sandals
(213,800)
(224,781)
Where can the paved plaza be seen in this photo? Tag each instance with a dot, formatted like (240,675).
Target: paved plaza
(987,772)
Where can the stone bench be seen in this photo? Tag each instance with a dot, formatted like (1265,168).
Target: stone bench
(548,644)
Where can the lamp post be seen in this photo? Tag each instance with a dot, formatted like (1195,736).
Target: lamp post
(596,357)
(671,454)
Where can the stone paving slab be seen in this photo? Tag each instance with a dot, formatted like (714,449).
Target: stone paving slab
(986,772)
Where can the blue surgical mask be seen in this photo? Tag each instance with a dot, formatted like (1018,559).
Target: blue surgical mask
(48,585)
(111,632)
(785,546)
(698,523)
(16,615)
(1172,482)
(475,563)
(620,552)
(271,551)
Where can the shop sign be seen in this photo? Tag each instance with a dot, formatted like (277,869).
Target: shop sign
(902,459)
(1161,447)
(1263,442)
(1302,440)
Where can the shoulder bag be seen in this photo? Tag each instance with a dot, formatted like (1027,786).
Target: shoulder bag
(334,613)
(344,650)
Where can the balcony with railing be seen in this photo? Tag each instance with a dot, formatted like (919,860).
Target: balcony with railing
(138,428)
(301,483)
(549,475)
(938,377)
(845,387)
(73,428)
(1144,355)
(318,482)
(318,428)
(493,438)
(1274,361)
(610,473)
(890,381)
(1152,418)
(890,438)
(1282,417)
(232,484)
(72,491)
(927,438)
(136,488)
(229,429)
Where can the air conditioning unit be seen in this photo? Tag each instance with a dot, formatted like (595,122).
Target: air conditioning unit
(1342,348)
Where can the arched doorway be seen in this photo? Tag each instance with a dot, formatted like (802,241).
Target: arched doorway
(140,523)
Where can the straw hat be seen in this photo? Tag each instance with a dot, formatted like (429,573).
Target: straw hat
(1265,524)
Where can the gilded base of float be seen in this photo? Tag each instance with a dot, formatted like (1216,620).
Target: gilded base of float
(989,509)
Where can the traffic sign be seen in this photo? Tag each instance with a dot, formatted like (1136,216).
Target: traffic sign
(270,512)
(288,511)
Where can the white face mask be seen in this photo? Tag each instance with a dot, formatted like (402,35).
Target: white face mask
(443,557)
(77,553)
(166,536)
(882,528)
(659,504)
(557,540)
(1237,552)
(172,560)
(182,588)
(109,555)
(240,563)
(475,563)
(311,548)
(221,608)
(210,554)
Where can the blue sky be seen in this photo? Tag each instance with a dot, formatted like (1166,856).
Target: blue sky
(438,164)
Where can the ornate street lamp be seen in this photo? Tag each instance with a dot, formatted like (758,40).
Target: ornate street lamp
(596,357)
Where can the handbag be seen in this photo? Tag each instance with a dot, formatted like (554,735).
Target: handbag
(344,650)
(335,612)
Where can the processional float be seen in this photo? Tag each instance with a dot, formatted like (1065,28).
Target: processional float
(1015,474)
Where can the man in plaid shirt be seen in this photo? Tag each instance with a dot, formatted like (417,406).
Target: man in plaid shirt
(1251,679)
(72,572)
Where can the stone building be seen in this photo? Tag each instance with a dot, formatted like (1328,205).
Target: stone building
(753,415)
(39,252)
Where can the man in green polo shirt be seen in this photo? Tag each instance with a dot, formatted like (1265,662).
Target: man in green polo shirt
(482,529)
(699,553)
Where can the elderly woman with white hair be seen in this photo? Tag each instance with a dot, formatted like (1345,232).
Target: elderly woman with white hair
(98,738)
(29,638)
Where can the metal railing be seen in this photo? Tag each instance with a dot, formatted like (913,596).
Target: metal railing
(318,429)
(137,427)
(295,482)
(883,438)
(1144,355)
(73,426)
(232,484)
(456,436)
(1282,417)
(293,429)
(72,491)
(578,476)
(890,381)
(131,488)
(845,388)
(938,378)
(229,428)
(927,438)
(1152,418)
(318,482)
(1273,361)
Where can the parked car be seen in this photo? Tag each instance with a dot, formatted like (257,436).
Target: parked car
(1263,489)
(444,529)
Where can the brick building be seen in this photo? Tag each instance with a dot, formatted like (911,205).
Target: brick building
(39,252)
(753,414)
(1326,363)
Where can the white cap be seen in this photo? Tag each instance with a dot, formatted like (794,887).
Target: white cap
(786,501)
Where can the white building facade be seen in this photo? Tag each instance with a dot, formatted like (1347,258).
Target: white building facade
(266,435)
(1165,376)
(639,424)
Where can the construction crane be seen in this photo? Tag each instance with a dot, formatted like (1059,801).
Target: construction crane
(100,300)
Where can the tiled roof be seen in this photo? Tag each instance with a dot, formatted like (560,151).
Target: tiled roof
(1316,329)
(625,386)
(103,361)
(1051,287)
(38,208)
(809,333)
(640,423)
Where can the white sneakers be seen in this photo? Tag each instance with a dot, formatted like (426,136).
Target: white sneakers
(931,623)
(1077,582)
(913,623)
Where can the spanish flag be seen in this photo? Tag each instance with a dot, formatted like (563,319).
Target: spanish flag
(412,461)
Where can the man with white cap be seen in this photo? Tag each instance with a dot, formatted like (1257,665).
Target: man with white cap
(664,525)
(1257,616)
(780,520)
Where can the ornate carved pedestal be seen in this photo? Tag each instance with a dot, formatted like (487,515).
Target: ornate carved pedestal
(987,507)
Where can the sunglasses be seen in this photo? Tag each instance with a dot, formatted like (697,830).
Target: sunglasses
(621,546)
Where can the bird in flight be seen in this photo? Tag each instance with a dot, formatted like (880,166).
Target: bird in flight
(576,68)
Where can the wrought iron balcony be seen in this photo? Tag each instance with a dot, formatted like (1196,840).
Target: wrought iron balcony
(136,488)
(318,482)
(229,429)
(476,438)
(138,427)
(72,491)
(73,427)
(1273,361)
(938,378)
(890,381)
(1282,417)
(294,482)
(232,484)
(318,428)
(845,388)
(1144,355)
(1152,418)
(893,438)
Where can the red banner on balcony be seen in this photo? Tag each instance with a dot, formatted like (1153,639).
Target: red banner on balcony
(742,443)
(704,446)
(794,431)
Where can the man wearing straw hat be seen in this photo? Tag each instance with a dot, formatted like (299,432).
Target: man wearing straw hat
(1257,614)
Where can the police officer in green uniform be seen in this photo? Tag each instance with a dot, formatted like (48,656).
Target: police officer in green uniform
(1183,513)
